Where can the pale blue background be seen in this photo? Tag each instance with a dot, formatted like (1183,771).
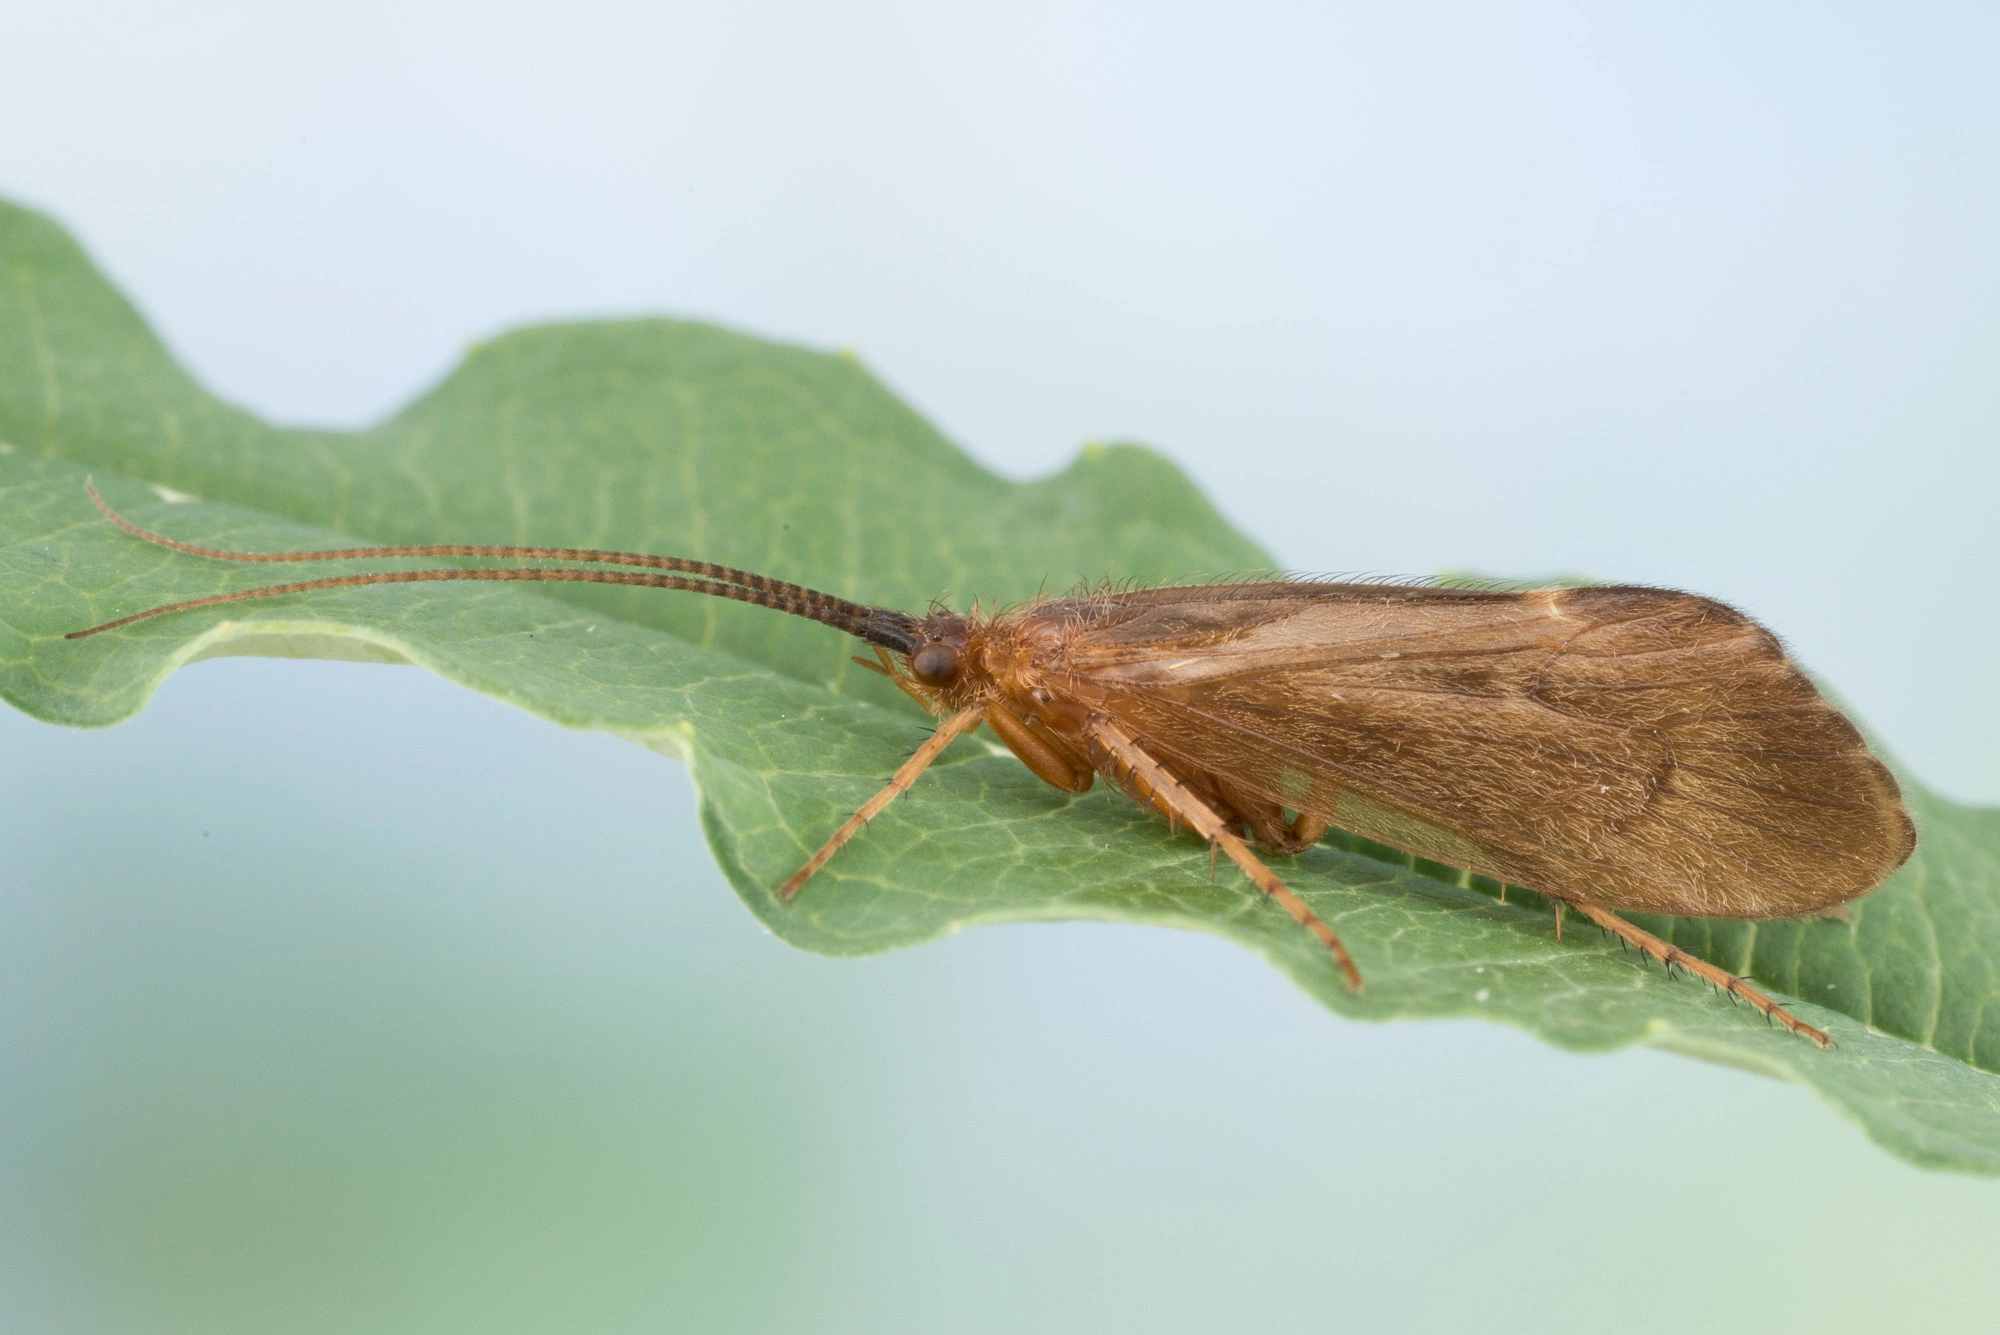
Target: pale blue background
(334,999)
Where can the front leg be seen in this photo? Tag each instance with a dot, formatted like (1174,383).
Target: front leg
(1051,759)
(949,731)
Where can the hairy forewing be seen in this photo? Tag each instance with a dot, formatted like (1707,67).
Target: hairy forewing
(1651,750)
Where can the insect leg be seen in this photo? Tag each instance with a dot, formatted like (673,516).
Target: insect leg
(1674,956)
(1266,820)
(1172,797)
(1052,760)
(964,721)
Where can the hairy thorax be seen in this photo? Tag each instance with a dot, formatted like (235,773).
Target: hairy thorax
(1022,658)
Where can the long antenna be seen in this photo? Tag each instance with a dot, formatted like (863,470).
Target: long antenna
(878,625)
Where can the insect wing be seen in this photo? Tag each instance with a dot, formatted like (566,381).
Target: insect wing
(1650,749)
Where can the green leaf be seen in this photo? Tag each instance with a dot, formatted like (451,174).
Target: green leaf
(662,436)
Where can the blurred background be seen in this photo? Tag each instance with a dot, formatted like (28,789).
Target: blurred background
(333,999)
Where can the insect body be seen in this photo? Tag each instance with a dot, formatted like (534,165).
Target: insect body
(1612,748)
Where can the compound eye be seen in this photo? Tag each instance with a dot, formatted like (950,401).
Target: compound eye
(935,664)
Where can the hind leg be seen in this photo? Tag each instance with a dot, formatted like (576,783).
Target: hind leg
(1266,821)
(1675,957)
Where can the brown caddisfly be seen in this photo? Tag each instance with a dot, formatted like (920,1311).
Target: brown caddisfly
(1611,748)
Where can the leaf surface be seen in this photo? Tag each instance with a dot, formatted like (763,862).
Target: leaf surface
(672,437)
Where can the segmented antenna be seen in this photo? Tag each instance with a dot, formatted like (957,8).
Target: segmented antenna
(878,625)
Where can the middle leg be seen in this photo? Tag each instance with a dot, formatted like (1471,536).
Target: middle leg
(1171,797)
